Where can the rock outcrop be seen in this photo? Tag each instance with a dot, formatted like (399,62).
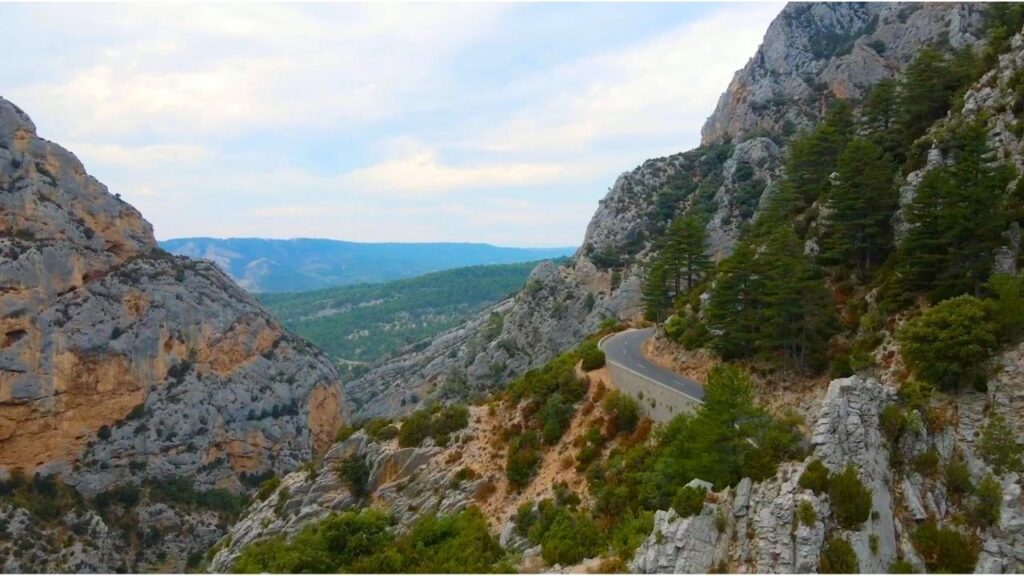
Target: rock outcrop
(407,482)
(121,363)
(818,50)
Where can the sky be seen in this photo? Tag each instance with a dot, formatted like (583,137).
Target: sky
(499,123)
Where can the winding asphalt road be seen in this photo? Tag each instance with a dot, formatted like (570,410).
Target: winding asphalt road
(626,350)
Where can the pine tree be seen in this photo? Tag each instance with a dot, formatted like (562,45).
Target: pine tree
(798,316)
(685,253)
(734,308)
(655,291)
(812,158)
(879,118)
(956,219)
(861,203)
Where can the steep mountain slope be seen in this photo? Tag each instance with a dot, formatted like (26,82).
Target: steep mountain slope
(366,323)
(121,364)
(301,264)
(810,53)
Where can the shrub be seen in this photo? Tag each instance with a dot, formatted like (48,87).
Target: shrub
(805,513)
(988,500)
(330,545)
(893,421)
(449,420)
(524,454)
(688,501)
(948,344)
(629,532)
(838,557)
(571,538)
(344,433)
(377,429)
(414,429)
(267,487)
(927,463)
(815,477)
(851,500)
(945,549)
(999,447)
(623,412)
(958,476)
(555,416)
(356,473)
(103,433)
(592,358)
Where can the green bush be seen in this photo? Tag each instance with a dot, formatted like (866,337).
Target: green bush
(928,463)
(267,487)
(945,549)
(592,357)
(362,542)
(344,433)
(688,501)
(893,421)
(571,538)
(330,545)
(851,500)
(948,344)
(449,420)
(838,557)
(414,430)
(815,477)
(524,455)
(958,476)
(355,472)
(555,416)
(999,447)
(623,412)
(179,490)
(436,423)
(988,500)
(629,532)
(805,513)
(380,429)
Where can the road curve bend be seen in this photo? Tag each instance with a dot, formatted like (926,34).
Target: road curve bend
(626,350)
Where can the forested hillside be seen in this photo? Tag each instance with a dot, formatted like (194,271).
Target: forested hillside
(368,322)
(300,264)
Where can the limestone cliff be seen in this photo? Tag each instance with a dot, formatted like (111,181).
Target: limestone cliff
(121,363)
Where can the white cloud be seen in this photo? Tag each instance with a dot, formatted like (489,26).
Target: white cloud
(139,157)
(214,69)
(666,86)
(422,174)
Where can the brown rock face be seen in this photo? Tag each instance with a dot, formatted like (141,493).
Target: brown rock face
(120,362)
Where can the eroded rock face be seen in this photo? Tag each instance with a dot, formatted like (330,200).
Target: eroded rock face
(839,49)
(407,482)
(120,363)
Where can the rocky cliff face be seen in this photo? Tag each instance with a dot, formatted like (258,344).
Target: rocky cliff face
(119,362)
(755,528)
(816,50)
(811,52)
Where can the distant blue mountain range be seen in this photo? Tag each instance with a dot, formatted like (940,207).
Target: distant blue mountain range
(267,265)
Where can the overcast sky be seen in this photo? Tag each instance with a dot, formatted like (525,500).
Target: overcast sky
(499,123)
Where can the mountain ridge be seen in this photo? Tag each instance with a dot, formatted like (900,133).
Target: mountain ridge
(303,264)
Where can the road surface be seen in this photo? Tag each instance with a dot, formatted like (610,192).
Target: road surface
(626,350)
